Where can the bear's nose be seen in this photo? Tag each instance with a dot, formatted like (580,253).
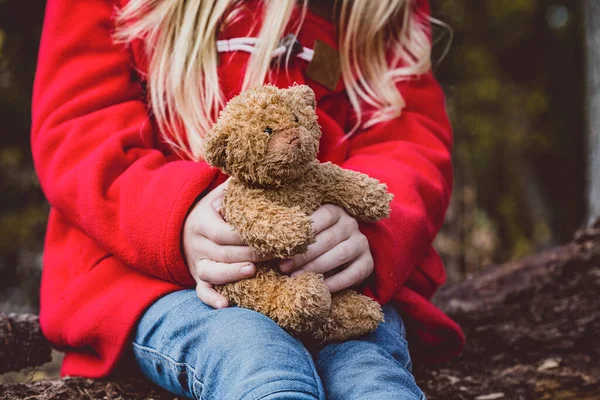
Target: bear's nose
(282,140)
(287,135)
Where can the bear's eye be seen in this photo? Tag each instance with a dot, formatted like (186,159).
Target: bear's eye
(296,119)
(268,130)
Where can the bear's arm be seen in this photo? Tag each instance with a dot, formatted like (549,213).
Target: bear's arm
(361,196)
(265,225)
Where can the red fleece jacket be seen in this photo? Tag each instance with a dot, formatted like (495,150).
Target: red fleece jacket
(119,196)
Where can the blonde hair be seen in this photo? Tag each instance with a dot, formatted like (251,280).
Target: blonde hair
(380,42)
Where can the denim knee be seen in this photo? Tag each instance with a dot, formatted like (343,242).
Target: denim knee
(227,353)
(268,362)
(376,366)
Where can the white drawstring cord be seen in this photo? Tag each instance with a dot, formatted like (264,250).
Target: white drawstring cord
(248,45)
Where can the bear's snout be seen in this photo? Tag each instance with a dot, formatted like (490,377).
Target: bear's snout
(283,141)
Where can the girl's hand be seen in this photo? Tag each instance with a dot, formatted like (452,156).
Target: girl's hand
(338,242)
(215,254)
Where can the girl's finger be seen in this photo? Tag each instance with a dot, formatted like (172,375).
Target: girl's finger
(324,241)
(210,296)
(344,252)
(217,196)
(219,191)
(355,273)
(213,227)
(326,216)
(226,254)
(218,273)
(235,254)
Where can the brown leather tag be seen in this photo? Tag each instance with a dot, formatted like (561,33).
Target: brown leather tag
(325,65)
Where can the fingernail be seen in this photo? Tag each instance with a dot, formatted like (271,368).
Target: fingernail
(247,270)
(217,205)
(286,265)
(219,303)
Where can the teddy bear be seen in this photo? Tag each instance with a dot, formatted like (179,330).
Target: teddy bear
(266,139)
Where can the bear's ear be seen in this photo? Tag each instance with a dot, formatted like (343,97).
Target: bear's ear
(301,94)
(215,146)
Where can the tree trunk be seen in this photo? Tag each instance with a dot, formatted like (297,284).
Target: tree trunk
(532,329)
(591,11)
(532,333)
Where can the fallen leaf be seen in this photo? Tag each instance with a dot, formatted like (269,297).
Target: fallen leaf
(491,396)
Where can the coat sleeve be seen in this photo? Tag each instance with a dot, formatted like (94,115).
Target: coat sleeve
(411,154)
(95,150)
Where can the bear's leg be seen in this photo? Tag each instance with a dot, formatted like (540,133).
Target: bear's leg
(352,315)
(298,304)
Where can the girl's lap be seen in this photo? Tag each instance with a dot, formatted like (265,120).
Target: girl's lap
(197,351)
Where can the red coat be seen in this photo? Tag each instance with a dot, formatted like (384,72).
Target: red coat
(119,197)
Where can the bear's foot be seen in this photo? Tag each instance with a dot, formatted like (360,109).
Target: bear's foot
(299,304)
(352,315)
(302,304)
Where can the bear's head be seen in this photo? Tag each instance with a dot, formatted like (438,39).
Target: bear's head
(265,136)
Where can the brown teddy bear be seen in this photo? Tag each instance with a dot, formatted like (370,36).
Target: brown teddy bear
(267,139)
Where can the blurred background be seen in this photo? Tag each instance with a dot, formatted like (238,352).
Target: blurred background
(514,78)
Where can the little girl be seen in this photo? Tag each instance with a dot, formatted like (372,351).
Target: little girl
(125,92)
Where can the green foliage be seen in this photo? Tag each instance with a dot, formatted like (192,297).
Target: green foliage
(23,210)
(513,78)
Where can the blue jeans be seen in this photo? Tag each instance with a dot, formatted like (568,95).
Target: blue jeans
(195,351)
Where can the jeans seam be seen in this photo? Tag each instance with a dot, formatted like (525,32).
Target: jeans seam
(313,366)
(174,363)
(315,374)
(279,391)
(323,359)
